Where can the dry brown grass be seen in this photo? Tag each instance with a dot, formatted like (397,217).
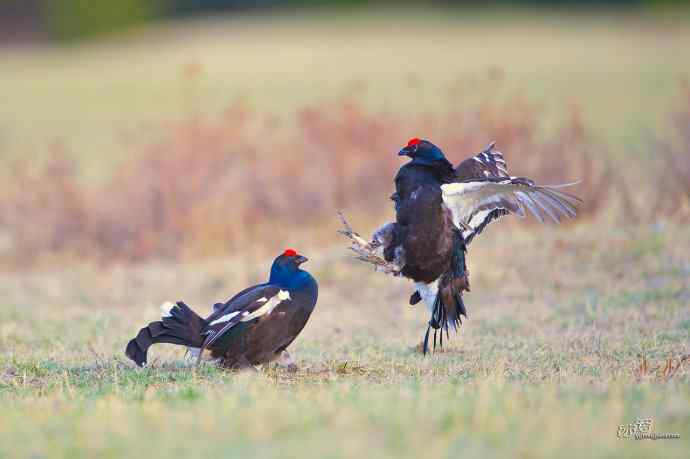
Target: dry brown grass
(672,171)
(212,184)
(655,187)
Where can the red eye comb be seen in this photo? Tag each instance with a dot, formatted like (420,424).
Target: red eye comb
(290,253)
(413,141)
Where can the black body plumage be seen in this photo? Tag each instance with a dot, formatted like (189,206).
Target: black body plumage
(434,249)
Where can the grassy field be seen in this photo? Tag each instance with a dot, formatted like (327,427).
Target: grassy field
(549,364)
(572,330)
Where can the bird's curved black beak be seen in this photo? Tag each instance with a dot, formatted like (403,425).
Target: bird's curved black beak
(301,259)
(404,152)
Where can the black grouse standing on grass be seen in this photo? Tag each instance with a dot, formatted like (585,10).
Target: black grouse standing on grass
(253,327)
(439,210)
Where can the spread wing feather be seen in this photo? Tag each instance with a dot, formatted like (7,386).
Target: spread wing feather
(479,221)
(488,163)
(474,203)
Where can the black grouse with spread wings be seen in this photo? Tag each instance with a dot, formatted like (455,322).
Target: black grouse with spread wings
(253,327)
(439,210)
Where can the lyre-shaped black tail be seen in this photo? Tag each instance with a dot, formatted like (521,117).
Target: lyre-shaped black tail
(448,309)
(182,327)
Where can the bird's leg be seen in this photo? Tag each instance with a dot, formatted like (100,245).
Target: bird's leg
(286,361)
(367,251)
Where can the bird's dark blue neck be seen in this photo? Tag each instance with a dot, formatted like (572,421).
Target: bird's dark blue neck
(291,280)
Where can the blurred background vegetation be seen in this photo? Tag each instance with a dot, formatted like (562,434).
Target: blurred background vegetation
(138,130)
(80,19)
